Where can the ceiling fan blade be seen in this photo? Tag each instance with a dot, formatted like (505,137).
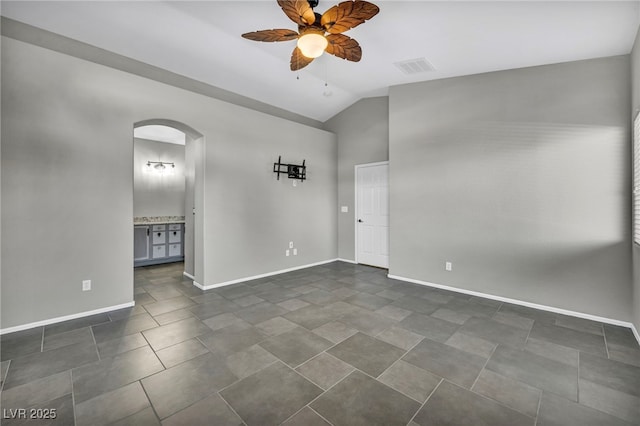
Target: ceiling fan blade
(298,60)
(343,47)
(299,11)
(271,35)
(347,15)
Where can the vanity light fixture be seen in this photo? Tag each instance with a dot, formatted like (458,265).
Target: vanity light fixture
(159,166)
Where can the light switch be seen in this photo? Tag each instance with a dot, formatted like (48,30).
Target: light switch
(344,209)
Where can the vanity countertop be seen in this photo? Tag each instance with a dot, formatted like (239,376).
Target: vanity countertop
(157,220)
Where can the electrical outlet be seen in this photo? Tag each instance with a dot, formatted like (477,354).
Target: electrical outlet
(286,253)
(295,252)
(344,209)
(86,285)
(295,183)
(448,266)
(290,244)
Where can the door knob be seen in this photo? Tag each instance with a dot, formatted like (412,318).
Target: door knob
(360,220)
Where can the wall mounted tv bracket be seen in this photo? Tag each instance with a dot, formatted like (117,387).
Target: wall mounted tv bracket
(293,171)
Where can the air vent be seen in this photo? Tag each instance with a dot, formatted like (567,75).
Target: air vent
(414,66)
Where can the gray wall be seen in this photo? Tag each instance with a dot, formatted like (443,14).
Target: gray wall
(158,194)
(521,179)
(67,184)
(363,137)
(635,109)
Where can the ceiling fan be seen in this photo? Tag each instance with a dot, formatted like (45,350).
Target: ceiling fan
(312,29)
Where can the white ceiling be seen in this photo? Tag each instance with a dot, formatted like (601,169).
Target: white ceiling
(201,40)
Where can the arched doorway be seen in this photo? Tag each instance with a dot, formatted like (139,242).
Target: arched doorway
(192,169)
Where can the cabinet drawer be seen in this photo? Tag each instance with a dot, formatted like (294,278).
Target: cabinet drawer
(160,227)
(159,251)
(175,236)
(159,237)
(175,249)
(175,226)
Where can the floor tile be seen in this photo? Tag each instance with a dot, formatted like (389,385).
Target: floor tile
(451,404)
(400,337)
(390,294)
(495,332)
(126,313)
(432,328)
(535,370)
(557,411)
(213,308)
(471,344)
(393,312)
(232,339)
(247,300)
(319,297)
(612,374)
(552,351)
(279,294)
(344,293)
(412,381)
(235,291)
(168,305)
(143,298)
(451,316)
(327,284)
(622,336)
(111,373)
(293,304)
(78,336)
(124,344)
(270,396)
(310,317)
(223,320)
(446,361)
(584,342)
(368,301)
(173,316)
(513,320)
(260,312)
(418,305)
(181,352)
(145,417)
(366,321)
(115,329)
(179,387)
(22,343)
(580,324)
(306,417)
(43,364)
(275,326)
(474,309)
(511,393)
(112,406)
(175,332)
(335,331)
(366,353)
(624,354)
(4,367)
(608,400)
(37,391)
(361,400)
(539,316)
(249,361)
(325,370)
(162,292)
(210,411)
(296,346)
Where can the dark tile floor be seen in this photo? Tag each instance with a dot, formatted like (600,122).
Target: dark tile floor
(337,344)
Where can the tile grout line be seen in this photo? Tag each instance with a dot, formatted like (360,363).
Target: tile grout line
(42,340)
(483,367)
(320,415)
(425,401)
(227,403)
(148,399)
(73,398)
(95,343)
(606,345)
(538,409)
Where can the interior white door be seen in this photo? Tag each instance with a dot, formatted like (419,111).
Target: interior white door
(372,214)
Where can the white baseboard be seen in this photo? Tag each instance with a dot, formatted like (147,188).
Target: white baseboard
(347,261)
(255,277)
(188,275)
(65,318)
(523,303)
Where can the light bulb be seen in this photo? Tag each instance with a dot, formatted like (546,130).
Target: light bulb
(312,45)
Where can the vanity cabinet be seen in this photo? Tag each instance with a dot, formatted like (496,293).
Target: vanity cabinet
(162,243)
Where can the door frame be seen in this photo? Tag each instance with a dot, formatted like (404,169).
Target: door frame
(355,204)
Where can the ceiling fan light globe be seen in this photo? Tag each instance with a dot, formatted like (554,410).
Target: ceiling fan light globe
(312,45)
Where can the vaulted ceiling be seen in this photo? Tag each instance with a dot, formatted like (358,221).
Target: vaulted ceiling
(201,40)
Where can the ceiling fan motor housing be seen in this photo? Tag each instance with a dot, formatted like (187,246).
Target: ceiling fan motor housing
(313,3)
